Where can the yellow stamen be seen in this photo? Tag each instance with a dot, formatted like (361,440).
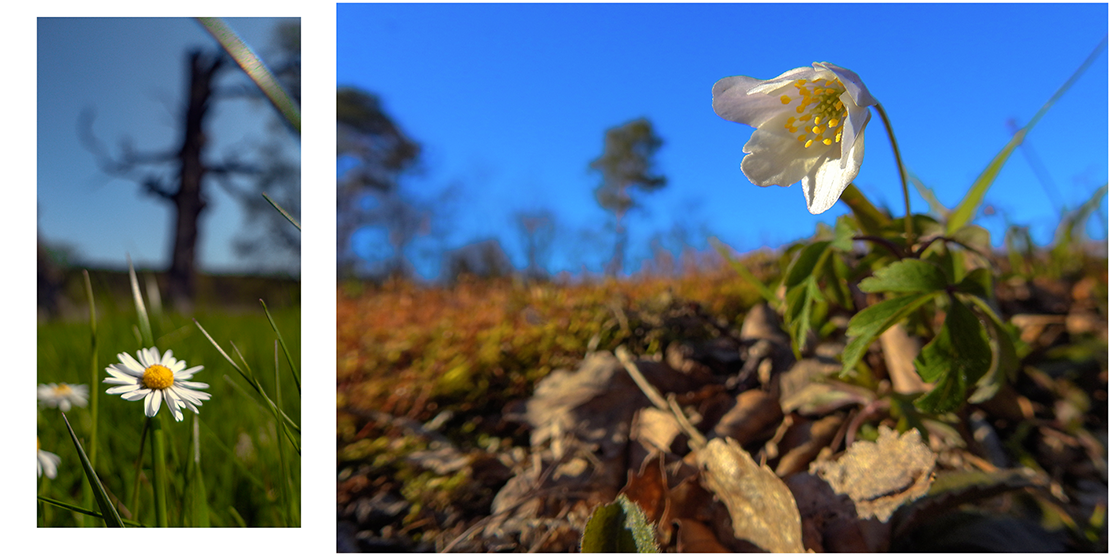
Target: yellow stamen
(157,377)
(808,143)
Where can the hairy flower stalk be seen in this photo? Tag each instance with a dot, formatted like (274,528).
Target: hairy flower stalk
(809,128)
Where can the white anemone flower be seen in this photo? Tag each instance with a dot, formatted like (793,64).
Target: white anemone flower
(63,396)
(47,461)
(153,379)
(809,127)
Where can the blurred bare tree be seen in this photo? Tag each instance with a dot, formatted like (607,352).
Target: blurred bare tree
(627,162)
(181,176)
(538,228)
(372,154)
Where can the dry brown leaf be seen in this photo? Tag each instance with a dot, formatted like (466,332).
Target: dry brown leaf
(881,476)
(761,506)
(755,413)
(803,441)
(656,429)
(648,488)
(696,537)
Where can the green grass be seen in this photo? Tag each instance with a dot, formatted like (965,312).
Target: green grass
(240,462)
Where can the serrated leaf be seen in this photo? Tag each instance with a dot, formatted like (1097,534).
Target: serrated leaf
(906,276)
(868,324)
(956,358)
(843,233)
(618,527)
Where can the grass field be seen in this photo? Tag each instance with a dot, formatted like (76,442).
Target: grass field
(248,474)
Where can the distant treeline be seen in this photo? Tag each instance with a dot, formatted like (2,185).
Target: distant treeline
(64,295)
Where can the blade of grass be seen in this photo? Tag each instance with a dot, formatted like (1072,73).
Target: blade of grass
(283,470)
(282,211)
(83,511)
(967,208)
(285,350)
(94,393)
(255,69)
(198,504)
(140,307)
(247,375)
(108,511)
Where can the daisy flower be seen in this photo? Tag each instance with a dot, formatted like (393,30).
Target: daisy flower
(63,396)
(809,127)
(48,461)
(154,379)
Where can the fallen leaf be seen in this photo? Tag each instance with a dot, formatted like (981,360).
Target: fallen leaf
(696,537)
(761,506)
(881,476)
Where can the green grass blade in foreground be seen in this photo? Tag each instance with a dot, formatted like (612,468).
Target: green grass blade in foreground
(967,208)
(108,511)
(282,211)
(285,350)
(745,273)
(926,193)
(82,511)
(197,501)
(247,376)
(254,68)
(140,307)
(94,393)
(289,506)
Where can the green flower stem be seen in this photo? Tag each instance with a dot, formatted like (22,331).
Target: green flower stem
(902,176)
(158,450)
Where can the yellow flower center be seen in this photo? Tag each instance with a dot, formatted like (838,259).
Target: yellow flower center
(157,377)
(821,112)
(62,389)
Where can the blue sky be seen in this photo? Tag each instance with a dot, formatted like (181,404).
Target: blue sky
(132,72)
(511,103)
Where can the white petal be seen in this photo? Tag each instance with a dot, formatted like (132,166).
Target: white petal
(772,86)
(130,363)
(173,404)
(135,394)
(123,389)
(732,101)
(778,159)
(188,373)
(825,186)
(852,82)
(153,402)
(124,371)
(190,384)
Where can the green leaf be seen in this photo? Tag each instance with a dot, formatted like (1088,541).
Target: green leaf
(843,233)
(956,358)
(868,324)
(107,510)
(978,283)
(871,220)
(971,202)
(619,527)
(906,276)
(803,265)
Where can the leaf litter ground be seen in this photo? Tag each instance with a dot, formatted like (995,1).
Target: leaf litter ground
(496,416)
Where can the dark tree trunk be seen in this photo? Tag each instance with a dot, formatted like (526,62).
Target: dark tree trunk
(187,200)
